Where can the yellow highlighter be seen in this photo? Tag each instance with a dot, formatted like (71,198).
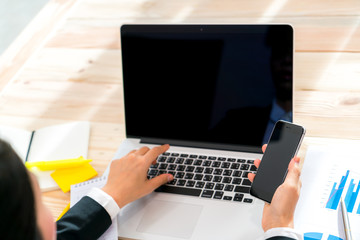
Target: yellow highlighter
(57,164)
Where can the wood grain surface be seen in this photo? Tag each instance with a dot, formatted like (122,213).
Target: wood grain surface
(66,65)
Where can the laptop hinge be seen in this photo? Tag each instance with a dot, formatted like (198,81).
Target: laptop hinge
(206,145)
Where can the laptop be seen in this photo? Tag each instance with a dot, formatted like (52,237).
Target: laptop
(213,92)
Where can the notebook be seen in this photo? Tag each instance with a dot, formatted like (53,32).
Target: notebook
(81,189)
(213,92)
(56,142)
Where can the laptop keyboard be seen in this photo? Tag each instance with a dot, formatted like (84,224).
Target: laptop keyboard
(220,178)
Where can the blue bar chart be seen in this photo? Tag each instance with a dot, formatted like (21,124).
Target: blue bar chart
(319,236)
(335,194)
(351,192)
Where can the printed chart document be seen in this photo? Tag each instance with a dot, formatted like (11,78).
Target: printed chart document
(56,142)
(329,173)
(81,189)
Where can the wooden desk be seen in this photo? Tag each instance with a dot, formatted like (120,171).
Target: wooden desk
(66,65)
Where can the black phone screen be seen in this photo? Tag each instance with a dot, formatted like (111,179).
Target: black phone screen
(282,147)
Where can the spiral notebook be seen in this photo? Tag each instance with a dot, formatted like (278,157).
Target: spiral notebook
(81,189)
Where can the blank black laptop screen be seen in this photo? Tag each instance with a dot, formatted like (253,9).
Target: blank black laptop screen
(221,86)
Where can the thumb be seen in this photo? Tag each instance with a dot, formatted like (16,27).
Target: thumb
(160,180)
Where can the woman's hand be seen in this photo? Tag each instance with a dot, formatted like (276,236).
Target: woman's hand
(127,179)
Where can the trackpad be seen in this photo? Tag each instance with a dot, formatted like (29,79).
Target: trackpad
(170,219)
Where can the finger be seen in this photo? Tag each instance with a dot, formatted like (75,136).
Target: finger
(142,150)
(155,152)
(257,163)
(294,172)
(156,182)
(264,147)
(251,176)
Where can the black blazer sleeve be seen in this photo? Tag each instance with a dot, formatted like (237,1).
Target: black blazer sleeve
(87,219)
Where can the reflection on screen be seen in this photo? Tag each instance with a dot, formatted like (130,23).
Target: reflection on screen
(225,84)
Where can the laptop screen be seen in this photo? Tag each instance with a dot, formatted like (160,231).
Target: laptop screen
(221,86)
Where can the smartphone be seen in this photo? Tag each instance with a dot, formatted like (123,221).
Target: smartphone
(283,145)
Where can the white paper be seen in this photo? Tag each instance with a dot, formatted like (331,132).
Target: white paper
(64,141)
(18,138)
(323,167)
(81,189)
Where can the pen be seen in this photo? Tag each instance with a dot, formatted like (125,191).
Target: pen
(345,220)
(56,164)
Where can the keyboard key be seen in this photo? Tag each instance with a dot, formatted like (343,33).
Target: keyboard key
(206,163)
(207,193)
(217,179)
(216,164)
(237,173)
(170,160)
(248,200)
(212,158)
(199,169)
(175,154)
(221,159)
(179,190)
(250,161)
(219,186)
(235,166)
(184,155)
(161,159)
(228,198)
(208,178)
(218,195)
(242,189)
(153,172)
(229,188)
(190,169)
(209,185)
(189,176)
(198,177)
(246,182)
(202,157)
(227,172)
(166,154)
(198,162)
(193,156)
(189,161)
(231,160)
(181,182)
(244,166)
(226,180)
(172,167)
(237,181)
(225,165)
(238,197)
(180,168)
(200,184)
(218,171)
(179,175)
(208,170)
(190,184)
(241,161)
(179,160)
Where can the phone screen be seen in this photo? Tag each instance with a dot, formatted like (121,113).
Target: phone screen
(282,147)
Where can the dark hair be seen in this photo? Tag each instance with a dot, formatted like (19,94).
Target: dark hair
(17,201)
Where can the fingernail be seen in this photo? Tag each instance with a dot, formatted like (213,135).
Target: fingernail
(170,178)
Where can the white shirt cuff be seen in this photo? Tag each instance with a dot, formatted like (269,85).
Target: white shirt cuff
(283,232)
(105,200)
